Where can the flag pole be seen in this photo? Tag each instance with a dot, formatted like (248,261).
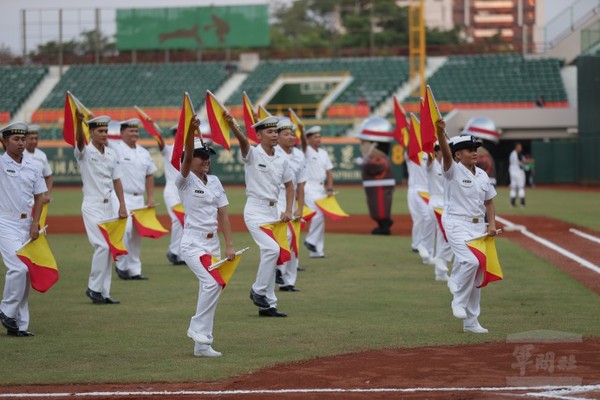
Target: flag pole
(43,230)
(223,261)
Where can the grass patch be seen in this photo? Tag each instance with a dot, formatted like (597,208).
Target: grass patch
(370,293)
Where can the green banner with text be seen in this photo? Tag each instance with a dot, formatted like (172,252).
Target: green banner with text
(192,28)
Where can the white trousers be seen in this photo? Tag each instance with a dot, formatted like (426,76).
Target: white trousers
(172,199)
(423,228)
(254,216)
(289,270)
(443,251)
(517,182)
(466,274)
(94,212)
(316,230)
(15,298)
(132,240)
(194,245)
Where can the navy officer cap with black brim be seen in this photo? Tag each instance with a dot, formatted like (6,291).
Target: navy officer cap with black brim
(269,122)
(98,122)
(464,142)
(131,123)
(16,128)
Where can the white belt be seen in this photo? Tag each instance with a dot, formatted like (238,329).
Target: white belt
(197,232)
(379,182)
(95,200)
(259,202)
(474,220)
(7,214)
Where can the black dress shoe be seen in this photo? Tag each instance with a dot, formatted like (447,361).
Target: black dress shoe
(174,259)
(288,288)
(278,277)
(258,299)
(96,297)
(271,312)
(310,247)
(139,278)
(18,333)
(108,300)
(11,323)
(380,231)
(122,274)
(301,269)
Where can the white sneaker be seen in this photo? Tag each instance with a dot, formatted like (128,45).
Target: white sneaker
(198,337)
(207,352)
(476,328)
(458,311)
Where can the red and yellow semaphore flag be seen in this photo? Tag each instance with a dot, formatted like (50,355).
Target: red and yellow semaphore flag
(414,141)
(430,115)
(331,208)
(484,249)
(113,231)
(262,112)
(249,119)
(147,224)
(278,231)
(219,126)
(299,124)
(224,272)
(401,132)
(151,127)
(185,117)
(43,215)
(308,213)
(295,227)
(43,271)
(179,212)
(70,119)
(438,217)
(424,196)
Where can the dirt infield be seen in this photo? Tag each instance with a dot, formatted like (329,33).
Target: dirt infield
(485,371)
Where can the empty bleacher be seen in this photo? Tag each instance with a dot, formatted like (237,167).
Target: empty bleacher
(17,83)
(498,79)
(146,85)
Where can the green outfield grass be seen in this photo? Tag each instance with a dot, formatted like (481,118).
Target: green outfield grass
(370,293)
(577,207)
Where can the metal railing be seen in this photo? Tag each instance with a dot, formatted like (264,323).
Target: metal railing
(568,21)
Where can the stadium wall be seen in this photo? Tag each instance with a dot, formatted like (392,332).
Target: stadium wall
(588,82)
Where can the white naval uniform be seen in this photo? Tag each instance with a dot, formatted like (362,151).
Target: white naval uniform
(200,238)
(317,165)
(263,175)
(289,270)
(423,227)
(171,197)
(98,171)
(517,176)
(135,165)
(464,196)
(40,157)
(443,252)
(19,182)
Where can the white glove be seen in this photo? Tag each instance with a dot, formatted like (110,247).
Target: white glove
(359,161)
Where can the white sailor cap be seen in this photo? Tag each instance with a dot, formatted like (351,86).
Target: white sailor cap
(313,130)
(201,149)
(463,142)
(269,122)
(97,122)
(131,123)
(285,123)
(33,128)
(16,128)
(376,129)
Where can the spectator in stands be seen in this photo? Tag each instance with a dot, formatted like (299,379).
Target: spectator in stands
(31,148)
(101,176)
(138,178)
(540,101)
(319,184)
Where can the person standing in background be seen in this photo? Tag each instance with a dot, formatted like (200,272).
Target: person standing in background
(138,177)
(423,227)
(101,176)
(285,148)
(517,176)
(31,147)
(319,184)
(21,188)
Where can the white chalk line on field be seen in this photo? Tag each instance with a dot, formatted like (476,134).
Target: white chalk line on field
(587,264)
(534,391)
(585,235)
